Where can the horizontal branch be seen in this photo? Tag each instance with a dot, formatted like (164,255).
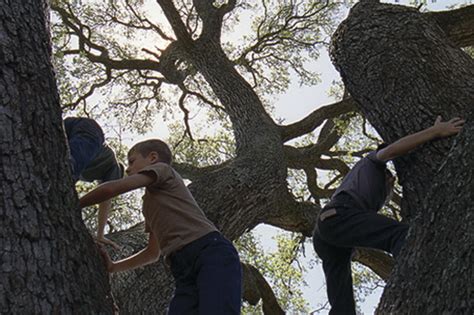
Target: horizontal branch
(316,118)
(304,158)
(191,172)
(378,261)
(292,215)
(457,24)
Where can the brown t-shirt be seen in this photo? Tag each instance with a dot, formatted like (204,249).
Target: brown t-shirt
(170,210)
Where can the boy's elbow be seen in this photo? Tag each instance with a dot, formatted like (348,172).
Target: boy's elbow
(154,255)
(108,190)
(386,154)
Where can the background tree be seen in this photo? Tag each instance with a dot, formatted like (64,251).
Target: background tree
(48,261)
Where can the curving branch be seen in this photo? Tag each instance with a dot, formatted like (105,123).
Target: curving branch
(256,288)
(316,192)
(316,118)
(457,24)
(86,46)
(304,158)
(140,21)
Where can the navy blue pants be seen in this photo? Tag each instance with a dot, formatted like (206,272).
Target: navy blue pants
(208,278)
(86,139)
(334,240)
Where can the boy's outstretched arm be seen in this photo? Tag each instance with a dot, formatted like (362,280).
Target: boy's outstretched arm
(406,144)
(148,255)
(114,188)
(104,209)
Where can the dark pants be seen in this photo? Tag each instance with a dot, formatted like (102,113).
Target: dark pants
(334,239)
(208,278)
(86,139)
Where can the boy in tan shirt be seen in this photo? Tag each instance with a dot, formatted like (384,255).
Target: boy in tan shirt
(204,264)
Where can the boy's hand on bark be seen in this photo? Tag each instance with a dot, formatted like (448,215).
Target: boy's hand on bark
(109,264)
(448,128)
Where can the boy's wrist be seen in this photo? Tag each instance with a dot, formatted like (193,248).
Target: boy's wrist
(433,132)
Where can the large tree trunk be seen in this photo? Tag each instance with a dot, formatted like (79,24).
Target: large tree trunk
(49,264)
(436,271)
(402,71)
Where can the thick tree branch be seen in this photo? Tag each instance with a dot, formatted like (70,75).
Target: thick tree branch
(303,158)
(192,172)
(316,118)
(211,17)
(378,261)
(256,288)
(173,17)
(457,24)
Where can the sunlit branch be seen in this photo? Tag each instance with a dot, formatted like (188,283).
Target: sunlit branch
(186,114)
(316,118)
(91,90)
(86,44)
(192,172)
(316,192)
(378,261)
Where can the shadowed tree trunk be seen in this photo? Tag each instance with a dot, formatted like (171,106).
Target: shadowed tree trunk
(436,271)
(403,70)
(48,261)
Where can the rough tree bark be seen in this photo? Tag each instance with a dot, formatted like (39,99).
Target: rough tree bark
(403,70)
(436,271)
(48,261)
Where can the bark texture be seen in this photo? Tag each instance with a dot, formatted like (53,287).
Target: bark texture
(402,70)
(48,261)
(436,270)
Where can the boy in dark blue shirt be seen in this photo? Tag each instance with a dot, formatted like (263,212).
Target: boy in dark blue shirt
(350,219)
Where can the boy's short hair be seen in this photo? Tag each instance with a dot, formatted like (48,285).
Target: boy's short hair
(153,145)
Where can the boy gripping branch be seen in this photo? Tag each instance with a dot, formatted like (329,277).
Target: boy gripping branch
(350,219)
(204,264)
